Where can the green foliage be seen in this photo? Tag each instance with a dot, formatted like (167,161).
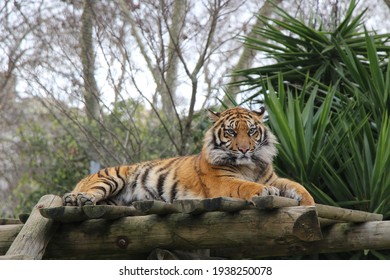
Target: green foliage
(298,48)
(53,163)
(327,96)
(56,149)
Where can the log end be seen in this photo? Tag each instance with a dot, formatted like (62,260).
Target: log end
(307,226)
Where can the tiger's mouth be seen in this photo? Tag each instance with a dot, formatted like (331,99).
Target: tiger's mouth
(241,158)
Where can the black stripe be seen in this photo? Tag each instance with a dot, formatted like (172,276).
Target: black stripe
(224,168)
(119,176)
(160,184)
(135,182)
(169,164)
(112,183)
(107,182)
(144,178)
(111,202)
(174,191)
(100,188)
(264,141)
(269,177)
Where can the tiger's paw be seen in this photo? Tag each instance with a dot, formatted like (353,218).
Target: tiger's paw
(269,190)
(250,191)
(307,200)
(85,199)
(301,195)
(79,199)
(69,199)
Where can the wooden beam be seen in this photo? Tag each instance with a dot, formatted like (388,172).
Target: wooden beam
(137,236)
(9,221)
(226,204)
(154,207)
(273,202)
(15,257)
(109,211)
(198,206)
(64,214)
(8,234)
(36,232)
(341,237)
(347,215)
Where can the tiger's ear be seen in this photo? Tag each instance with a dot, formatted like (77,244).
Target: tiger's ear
(260,113)
(213,116)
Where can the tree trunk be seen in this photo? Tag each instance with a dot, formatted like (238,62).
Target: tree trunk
(247,56)
(169,83)
(91,93)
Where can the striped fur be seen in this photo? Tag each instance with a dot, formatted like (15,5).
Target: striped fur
(236,161)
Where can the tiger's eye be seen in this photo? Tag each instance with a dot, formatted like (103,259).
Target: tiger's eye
(252,131)
(230,131)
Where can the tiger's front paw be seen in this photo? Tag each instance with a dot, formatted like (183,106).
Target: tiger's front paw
(269,190)
(78,199)
(301,195)
(69,199)
(307,200)
(248,191)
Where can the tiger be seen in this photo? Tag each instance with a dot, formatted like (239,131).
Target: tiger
(236,161)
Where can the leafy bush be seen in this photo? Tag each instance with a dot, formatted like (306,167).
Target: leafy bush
(327,96)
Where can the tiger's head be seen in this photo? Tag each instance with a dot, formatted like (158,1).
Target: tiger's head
(239,137)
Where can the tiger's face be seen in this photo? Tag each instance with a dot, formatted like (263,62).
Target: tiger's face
(238,137)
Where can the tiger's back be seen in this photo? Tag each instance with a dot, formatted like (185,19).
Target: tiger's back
(236,161)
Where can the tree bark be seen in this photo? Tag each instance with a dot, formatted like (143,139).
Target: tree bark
(247,56)
(36,232)
(136,237)
(169,83)
(341,237)
(91,93)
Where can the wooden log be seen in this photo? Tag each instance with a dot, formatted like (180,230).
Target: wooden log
(347,215)
(109,211)
(36,232)
(329,214)
(137,236)
(9,221)
(340,237)
(324,222)
(8,234)
(64,214)
(190,206)
(15,257)
(23,217)
(273,202)
(154,207)
(225,204)
(198,206)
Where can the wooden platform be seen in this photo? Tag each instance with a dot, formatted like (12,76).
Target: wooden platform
(231,228)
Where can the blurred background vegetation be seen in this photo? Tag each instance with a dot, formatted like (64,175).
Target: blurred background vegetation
(86,83)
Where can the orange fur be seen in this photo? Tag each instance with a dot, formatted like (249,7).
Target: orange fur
(236,161)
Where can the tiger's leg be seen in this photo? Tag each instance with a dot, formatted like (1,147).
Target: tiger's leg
(83,193)
(240,189)
(293,190)
(97,187)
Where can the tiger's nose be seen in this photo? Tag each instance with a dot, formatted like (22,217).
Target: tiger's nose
(243,149)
